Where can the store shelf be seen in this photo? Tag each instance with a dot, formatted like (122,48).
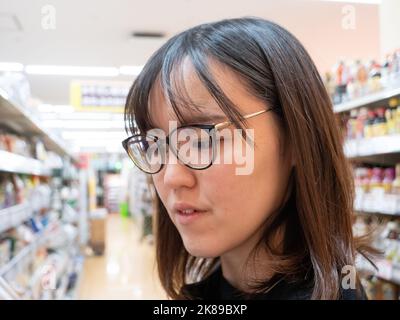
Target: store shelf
(372,146)
(26,122)
(11,162)
(362,212)
(367,100)
(14,216)
(388,204)
(23,258)
(387,271)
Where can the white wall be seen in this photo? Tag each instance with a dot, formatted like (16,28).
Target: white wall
(389,26)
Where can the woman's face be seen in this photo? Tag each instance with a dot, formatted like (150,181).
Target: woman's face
(230,208)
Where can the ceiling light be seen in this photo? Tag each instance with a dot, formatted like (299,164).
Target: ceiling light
(130,70)
(72,70)
(11,66)
(357,1)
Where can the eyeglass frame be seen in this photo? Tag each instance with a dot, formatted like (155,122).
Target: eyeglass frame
(217,126)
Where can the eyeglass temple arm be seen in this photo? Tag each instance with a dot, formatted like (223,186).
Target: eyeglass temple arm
(225,124)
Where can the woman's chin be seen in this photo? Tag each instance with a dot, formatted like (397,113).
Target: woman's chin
(202,251)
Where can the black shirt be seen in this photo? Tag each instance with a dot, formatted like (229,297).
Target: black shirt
(216,287)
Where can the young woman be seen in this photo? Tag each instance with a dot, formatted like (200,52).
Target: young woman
(281,230)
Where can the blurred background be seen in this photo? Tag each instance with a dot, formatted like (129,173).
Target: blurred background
(76,216)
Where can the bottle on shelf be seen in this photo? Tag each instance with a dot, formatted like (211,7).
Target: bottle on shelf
(368,133)
(396,181)
(361,122)
(376,179)
(379,126)
(387,182)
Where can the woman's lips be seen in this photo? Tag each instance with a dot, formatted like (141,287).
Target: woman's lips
(186,213)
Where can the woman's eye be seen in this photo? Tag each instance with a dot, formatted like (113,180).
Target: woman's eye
(201,144)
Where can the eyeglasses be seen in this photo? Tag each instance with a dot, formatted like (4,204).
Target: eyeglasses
(194,145)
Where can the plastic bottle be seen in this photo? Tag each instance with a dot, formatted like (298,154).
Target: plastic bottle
(397,120)
(379,126)
(366,179)
(352,124)
(362,117)
(369,124)
(396,181)
(376,179)
(389,175)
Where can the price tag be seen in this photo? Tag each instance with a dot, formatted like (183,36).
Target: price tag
(389,204)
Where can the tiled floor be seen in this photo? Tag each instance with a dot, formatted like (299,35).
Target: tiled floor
(126,270)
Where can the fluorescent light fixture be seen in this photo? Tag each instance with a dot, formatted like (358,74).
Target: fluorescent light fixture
(130,70)
(84,124)
(11,66)
(357,1)
(104,136)
(59,109)
(46,108)
(91,116)
(72,71)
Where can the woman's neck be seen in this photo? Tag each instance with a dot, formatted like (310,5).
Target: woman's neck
(241,269)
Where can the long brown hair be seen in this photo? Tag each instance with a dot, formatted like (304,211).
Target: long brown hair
(318,237)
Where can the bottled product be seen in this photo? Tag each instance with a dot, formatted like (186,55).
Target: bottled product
(396,181)
(366,179)
(376,179)
(360,122)
(390,120)
(351,79)
(379,126)
(352,124)
(397,120)
(387,182)
(369,123)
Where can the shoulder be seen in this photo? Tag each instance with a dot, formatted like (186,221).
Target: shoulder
(207,288)
(354,294)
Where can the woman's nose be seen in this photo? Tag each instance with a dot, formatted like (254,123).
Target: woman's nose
(177,175)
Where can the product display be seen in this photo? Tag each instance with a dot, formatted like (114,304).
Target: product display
(351,79)
(377,189)
(383,282)
(367,123)
(39,240)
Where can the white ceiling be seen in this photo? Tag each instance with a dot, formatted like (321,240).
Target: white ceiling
(97,32)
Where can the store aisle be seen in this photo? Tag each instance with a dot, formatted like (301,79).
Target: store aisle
(126,270)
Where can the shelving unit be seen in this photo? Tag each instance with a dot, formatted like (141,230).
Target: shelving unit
(10,162)
(26,122)
(386,272)
(379,150)
(370,99)
(372,146)
(14,216)
(23,258)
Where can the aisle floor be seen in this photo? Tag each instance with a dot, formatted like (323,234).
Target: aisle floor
(127,268)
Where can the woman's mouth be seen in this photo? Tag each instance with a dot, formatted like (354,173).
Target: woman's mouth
(186,214)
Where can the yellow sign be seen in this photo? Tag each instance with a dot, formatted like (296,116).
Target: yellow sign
(105,96)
